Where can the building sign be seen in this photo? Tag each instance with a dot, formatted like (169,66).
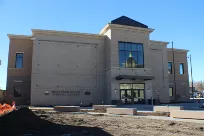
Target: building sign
(72,92)
(67,93)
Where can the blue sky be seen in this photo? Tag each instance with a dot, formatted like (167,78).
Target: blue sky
(181,21)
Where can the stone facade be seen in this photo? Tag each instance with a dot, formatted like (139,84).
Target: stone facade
(19,78)
(65,68)
(181,80)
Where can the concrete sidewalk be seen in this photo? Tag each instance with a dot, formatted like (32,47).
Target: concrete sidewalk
(145,107)
(134,116)
(151,117)
(141,107)
(41,108)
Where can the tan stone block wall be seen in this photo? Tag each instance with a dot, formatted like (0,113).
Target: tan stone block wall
(25,46)
(134,37)
(129,36)
(22,46)
(159,70)
(167,108)
(108,67)
(182,81)
(122,111)
(187,114)
(73,63)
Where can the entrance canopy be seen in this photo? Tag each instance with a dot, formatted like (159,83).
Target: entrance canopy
(133,77)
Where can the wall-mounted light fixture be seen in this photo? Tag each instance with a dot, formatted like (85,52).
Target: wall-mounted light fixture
(46,92)
(148,90)
(115,90)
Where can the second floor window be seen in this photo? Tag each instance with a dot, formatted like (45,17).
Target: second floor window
(170,67)
(181,68)
(19,60)
(131,55)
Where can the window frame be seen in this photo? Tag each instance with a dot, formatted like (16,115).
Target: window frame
(182,68)
(171,67)
(172,92)
(131,52)
(22,59)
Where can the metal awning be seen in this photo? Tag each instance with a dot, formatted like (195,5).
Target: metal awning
(133,77)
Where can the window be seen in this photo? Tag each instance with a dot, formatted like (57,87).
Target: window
(17,92)
(132,86)
(181,68)
(170,91)
(19,60)
(131,55)
(170,67)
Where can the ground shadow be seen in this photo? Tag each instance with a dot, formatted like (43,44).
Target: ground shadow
(24,122)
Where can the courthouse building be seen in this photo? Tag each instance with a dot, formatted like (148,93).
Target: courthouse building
(120,65)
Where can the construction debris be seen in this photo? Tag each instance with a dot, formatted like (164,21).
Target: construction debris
(6,108)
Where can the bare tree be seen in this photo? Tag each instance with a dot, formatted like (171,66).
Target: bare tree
(199,85)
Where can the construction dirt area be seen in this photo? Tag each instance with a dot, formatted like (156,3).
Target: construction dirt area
(46,123)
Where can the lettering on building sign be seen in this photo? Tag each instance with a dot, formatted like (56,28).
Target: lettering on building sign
(64,92)
(67,93)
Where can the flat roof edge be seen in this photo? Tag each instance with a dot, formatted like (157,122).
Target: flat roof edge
(125,27)
(131,27)
(158,42)
(54,32)
(19,36)
(179,50)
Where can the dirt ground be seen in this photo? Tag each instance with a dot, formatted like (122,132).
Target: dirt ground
(127,126)
(41,123)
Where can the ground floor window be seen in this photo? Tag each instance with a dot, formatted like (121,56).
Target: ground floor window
(132,93)
(17,91)
(170,91)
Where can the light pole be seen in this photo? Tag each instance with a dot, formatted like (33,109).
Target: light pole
(174,71)
(192,90)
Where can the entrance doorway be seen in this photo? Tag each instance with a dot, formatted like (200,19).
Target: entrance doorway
(132,93)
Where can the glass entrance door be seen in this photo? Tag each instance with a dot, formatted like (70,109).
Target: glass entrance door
(126,96)
(123,96)
(135,96)
(132,93)
(129,96)
(141,97)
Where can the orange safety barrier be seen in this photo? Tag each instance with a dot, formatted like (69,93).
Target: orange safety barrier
(5,108)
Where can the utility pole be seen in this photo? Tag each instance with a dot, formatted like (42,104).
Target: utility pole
(192,78)
(174,72)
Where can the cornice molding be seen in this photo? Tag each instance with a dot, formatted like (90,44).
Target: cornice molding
(152,42)
(124,27)
(178,50)
(53,32)
(19,36)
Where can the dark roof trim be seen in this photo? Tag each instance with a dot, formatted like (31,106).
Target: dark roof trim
(123,20)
